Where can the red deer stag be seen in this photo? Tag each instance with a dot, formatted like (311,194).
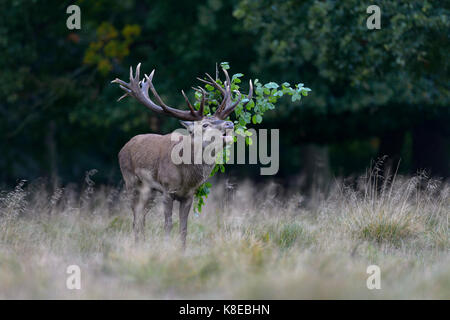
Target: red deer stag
(146,163)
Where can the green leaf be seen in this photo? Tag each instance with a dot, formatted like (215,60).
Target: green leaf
(250,105)
(296,97)
(271,85)
(278,93)
(256,119)
(236,77)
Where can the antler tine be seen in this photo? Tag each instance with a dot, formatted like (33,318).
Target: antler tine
(202,103)
(225,113)
(149,78)
(120,82)
(238,99)
(216,85)
(227,95)
(228,110)
(146,83)
(155,93)
(199,89)
(212,83)
(138,71)
(250,93)
(124,96)
(123,86)
(188,103)
(228,81)
(139,90)
(203,80)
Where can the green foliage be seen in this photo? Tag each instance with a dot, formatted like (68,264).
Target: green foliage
(264,99)
(55,84)
(58,112)
(367,83)
(110,46)
(406,61)
(386,231)
(200,196)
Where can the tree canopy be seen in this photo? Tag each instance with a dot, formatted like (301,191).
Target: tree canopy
(59,113)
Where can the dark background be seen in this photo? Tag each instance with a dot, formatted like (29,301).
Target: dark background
(374,92)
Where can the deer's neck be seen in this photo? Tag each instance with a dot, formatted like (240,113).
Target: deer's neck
(193,174)
(199,173)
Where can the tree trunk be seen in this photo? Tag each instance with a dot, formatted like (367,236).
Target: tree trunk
(430,148)
(316,171)
(52,154)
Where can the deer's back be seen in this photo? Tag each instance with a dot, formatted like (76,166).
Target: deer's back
(142,151)
(142,155)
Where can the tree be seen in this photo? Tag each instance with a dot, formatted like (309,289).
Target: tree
(57,105)
(367,83)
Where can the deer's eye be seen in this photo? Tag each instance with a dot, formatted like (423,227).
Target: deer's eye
(205,125)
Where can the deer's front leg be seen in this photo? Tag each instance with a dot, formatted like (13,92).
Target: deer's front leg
(168,205)
(185,207)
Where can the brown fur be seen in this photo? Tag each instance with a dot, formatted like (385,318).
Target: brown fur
(147,168)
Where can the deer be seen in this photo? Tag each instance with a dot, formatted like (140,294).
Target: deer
(145,160)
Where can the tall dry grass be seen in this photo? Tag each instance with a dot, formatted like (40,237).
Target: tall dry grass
(249,242)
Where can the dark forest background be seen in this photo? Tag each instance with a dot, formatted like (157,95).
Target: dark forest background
(374,92)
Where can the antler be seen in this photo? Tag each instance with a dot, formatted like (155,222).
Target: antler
(139,90)
(226,107)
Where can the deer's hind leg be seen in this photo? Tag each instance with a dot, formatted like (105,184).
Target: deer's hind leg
(168,207)
(143,202)
(140,195)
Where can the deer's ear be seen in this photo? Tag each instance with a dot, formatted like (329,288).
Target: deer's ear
(188,125)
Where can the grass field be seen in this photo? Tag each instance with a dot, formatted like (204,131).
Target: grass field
(255,243)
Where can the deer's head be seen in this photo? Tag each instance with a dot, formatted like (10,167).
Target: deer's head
(210,126)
